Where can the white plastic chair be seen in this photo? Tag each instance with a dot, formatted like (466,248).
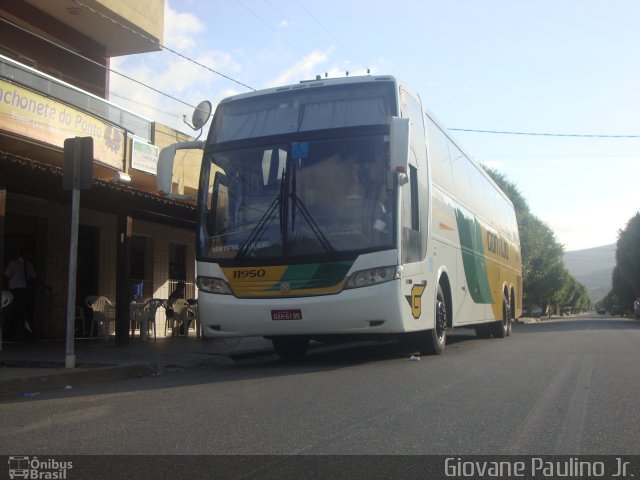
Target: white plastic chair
(149,317)
(180,312)
(89,300)
(100,307)
(187,314)
(136,313)
(5,301)
(196,318)
(7,298)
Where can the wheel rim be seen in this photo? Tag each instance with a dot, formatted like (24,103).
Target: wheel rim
(441,319)
(506,321)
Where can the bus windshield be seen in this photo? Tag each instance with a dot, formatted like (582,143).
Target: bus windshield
(306,198)
(304,110)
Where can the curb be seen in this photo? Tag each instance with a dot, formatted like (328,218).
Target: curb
(59,378)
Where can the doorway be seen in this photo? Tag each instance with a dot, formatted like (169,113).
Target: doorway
(87,271)
(29,232)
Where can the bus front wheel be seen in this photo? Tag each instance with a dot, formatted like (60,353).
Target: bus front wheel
(290,348)
(437,337)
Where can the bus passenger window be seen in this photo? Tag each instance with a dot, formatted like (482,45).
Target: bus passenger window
(410,204)
(411,244)
(415,211)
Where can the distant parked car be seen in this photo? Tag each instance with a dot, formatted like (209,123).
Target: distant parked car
(602,311)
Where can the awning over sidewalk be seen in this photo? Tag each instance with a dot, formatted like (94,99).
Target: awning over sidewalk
(29,177)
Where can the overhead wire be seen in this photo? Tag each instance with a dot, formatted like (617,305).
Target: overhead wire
(68,50)
(163,47)
(302,32)
(270,27)
(315,19)
(538,134)
(141,104)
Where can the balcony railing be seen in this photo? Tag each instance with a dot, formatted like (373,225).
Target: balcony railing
(68,94)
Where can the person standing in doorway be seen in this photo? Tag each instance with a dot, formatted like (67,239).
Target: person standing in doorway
(20,279)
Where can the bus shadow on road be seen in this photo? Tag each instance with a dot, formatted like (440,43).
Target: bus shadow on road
(361,352)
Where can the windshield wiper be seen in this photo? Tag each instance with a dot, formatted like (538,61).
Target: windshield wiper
(259,229)
(294,198)
(279,203)
(314,226)
(283,210)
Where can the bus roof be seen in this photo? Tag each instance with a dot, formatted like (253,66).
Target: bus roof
(312,84)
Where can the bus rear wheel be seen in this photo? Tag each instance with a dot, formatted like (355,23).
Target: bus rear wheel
(502,328)
(290,348)
(436,338)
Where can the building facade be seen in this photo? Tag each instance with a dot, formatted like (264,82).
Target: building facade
(54,84)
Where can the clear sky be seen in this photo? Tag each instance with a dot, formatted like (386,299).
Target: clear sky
(540,66)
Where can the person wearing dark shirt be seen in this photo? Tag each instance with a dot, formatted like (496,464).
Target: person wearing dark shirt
(20,277)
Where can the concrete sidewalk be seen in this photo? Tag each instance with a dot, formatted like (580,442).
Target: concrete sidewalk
(26,369)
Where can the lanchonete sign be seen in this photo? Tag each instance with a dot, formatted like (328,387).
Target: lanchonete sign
(37,117)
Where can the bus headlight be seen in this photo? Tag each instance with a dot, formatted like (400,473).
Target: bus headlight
(213,285)
(372,276)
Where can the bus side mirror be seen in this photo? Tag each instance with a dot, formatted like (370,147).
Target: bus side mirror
(165,164)
(399,145)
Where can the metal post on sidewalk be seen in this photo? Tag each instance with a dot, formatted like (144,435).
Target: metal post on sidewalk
(3,210)
(77,174)
(70,357)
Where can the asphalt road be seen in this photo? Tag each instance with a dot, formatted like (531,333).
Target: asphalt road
(561,387)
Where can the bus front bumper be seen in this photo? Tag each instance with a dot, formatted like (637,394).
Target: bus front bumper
(377,309)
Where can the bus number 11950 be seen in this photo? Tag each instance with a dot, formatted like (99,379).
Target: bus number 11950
(249,273)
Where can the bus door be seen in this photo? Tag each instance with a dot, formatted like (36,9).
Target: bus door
(405,161)
(414,195)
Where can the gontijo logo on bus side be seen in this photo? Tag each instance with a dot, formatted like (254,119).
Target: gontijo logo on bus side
(288,280)
(478,270)
(415,299)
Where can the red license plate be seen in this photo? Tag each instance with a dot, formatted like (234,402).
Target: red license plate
(286,314)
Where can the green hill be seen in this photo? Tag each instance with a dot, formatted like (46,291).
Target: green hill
(593,267)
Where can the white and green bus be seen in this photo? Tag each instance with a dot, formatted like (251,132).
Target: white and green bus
(340,208)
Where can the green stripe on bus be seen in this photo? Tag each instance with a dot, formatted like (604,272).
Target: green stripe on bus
(475,269)
(314,275)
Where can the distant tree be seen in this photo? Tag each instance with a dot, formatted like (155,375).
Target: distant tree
(545,277)
(573,294)
(543,270)
(626,274)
